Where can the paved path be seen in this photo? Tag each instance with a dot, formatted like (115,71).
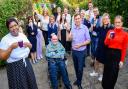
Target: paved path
(40,70)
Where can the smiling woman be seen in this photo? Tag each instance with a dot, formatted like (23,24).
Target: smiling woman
(117,43)
(13,27)
(16,56)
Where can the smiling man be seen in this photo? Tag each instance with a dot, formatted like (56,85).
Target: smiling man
(80,38)
(55,55)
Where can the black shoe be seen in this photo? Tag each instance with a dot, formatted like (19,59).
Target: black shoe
(75,83)
(68,87)
(79,87)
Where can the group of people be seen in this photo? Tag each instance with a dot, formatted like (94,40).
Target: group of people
(86,33)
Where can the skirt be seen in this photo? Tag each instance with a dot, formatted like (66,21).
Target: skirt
(33,41)
(21,77)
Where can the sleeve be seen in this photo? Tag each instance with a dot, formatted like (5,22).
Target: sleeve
(56,29)
(3,44)
(72,21)
(87,23)
(125,46)
(28,30)
(36,29)
(107,40)
(49,31)
(87,35)
(69,18)
(39,16)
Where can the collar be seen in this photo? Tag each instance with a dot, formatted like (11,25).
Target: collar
(51,24)
(118,29)
(75,27)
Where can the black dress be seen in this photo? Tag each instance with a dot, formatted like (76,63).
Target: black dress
(32,38)
(101,48)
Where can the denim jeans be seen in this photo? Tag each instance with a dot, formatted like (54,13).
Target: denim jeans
(55,66)
(78,60)
(94,43)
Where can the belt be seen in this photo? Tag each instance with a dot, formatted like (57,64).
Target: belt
(55,59)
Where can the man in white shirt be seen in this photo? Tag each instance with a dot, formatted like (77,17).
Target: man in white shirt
(90,11)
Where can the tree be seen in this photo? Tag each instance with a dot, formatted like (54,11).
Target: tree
(113,7)
(13,8)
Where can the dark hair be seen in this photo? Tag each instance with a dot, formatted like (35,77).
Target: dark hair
(30,17)
(76,15)
(9,20)
(61,19)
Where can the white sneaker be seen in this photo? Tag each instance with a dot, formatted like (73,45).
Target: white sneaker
(66,62)
(36,60)
(100,78)
(93,74)
(33,62)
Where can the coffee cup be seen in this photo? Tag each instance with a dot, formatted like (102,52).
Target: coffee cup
(20,43)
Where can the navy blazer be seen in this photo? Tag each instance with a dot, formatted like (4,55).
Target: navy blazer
(51,30)
(30,30)
(86,23)
(101,47)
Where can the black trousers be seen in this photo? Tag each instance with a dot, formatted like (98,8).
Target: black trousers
(63,38)
(66,44)
(111,68)
(45,35)
(78,60)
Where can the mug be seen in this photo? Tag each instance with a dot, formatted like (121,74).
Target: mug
(112,35)
(20,43)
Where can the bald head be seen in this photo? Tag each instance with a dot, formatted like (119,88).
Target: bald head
(54,38)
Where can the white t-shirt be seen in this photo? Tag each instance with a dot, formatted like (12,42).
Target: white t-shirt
(17,53)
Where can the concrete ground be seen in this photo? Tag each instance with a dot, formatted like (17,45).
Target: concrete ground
(40,70)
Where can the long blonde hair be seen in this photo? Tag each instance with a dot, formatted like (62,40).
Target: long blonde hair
(45,9)
(103,16)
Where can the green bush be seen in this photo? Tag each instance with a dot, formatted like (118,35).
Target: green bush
(13,8)
(113,7)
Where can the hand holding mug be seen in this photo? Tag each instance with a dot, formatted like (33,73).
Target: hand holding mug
(20,43)
(112,35)
(14,45)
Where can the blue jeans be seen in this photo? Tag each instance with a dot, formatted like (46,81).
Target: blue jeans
(55,65)
(94,43)
(79,59)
